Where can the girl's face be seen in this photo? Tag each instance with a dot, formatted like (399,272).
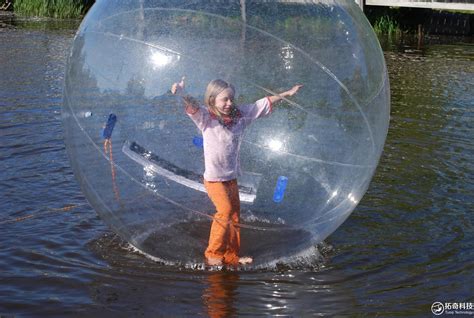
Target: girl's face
(225,101)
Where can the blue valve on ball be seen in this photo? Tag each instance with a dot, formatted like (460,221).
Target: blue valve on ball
(198,141)
(109,126)
(280,188)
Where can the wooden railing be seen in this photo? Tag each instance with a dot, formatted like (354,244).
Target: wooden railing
(464,5)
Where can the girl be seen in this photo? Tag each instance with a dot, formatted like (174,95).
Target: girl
(222,125)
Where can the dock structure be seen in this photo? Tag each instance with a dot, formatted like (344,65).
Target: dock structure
(462,5)
(5,5)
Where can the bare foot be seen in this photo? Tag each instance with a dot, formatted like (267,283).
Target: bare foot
(245,260)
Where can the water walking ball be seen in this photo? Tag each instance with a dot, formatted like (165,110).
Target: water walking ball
(139,158)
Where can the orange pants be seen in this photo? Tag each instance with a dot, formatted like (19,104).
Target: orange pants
(224,238)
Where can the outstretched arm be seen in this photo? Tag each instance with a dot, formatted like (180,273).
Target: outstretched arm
(288,93)
(190,103)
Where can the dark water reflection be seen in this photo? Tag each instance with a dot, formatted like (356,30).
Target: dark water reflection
(409,243)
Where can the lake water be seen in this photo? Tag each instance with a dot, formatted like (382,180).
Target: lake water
(408,244)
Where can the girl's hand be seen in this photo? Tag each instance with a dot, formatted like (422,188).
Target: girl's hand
(292,91)
(178,88)
(288,93)
(191,105)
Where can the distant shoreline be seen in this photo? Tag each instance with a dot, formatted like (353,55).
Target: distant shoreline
(384,20)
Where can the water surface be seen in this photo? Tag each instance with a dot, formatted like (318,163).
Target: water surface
(409,243)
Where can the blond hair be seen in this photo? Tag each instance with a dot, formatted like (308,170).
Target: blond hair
(214,88)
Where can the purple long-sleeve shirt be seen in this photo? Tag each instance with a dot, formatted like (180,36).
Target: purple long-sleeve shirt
(221,144)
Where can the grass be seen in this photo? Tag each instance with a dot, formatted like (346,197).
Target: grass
(50,8)
(386,25)
(459,11)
